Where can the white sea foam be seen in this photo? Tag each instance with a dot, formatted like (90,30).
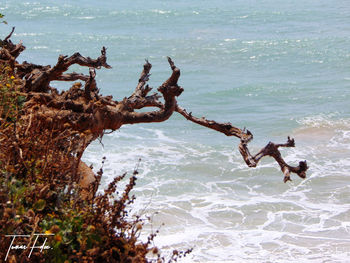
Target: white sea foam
(162,12)
(86,17)
(28,34)
(324,120)
(239,213)
(40,47)
(230,39)
(236,215)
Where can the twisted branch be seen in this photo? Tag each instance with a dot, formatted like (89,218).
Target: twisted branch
(169,90)
(84,110)
(271,149)
(40,80)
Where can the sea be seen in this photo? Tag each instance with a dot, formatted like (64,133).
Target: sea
(277,68)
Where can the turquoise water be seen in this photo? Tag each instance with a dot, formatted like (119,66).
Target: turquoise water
(278,68)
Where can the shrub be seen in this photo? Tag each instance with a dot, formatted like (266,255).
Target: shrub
(39,194)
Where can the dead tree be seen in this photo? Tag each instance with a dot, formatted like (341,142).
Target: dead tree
(88,114)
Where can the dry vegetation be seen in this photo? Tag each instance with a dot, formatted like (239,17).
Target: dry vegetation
(40,190)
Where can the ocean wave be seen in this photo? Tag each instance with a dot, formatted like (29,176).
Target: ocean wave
(207,196)
(28,34)
(86,17)
(332,131)
(324,120)
(162,12)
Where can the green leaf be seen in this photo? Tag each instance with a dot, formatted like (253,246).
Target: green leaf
(40,205)
(21,100)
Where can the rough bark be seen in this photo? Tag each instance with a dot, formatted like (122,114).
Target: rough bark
(87,114)
(10,51)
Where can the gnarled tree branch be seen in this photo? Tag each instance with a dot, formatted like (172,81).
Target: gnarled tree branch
(169,89)
(83,111)
(225,128)
(271,149)
(10,51)
(40,81)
